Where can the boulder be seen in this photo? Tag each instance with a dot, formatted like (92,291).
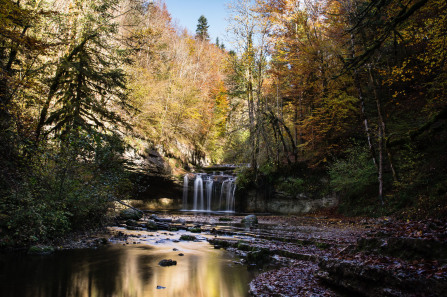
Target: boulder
(151,225)
(154,217)
(250,220)
(166,262)
(180,221)
(132,223)
(131,214)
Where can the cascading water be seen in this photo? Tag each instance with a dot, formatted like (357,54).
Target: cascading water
(185,191)
(198,192)
(211,192)
(230,194)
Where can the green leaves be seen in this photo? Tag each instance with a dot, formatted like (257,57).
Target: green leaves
(353,175)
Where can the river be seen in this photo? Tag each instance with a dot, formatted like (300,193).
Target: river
(127,270)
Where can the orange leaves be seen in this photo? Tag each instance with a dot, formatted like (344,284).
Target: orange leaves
(179,85)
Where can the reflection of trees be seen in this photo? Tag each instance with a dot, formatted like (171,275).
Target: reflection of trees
(123,271)
(70,273)
(144,268)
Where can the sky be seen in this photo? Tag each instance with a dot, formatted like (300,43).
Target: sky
(187,12)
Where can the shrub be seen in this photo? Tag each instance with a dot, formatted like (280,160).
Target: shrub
(292,186)
(60,189)
(355,174)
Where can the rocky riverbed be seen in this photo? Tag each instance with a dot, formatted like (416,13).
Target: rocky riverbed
(308,256)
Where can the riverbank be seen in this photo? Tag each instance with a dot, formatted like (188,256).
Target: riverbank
(315,255)
(335,256)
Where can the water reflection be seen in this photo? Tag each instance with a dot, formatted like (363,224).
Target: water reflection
(125,271)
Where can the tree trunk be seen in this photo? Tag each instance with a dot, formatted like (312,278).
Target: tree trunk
(382,121)
(362,104)
(380,176)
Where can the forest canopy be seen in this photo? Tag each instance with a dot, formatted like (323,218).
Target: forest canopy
(352,92)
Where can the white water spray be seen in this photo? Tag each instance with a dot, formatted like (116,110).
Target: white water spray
(211,193)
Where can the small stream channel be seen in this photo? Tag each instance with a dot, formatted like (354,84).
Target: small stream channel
(128,268)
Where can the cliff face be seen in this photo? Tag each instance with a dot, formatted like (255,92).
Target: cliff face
(283,203)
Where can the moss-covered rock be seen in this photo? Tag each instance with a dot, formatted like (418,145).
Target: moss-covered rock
(258,257)
(188,237)
(243,246)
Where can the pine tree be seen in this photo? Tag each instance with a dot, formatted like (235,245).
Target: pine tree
(202,28)
(88,86)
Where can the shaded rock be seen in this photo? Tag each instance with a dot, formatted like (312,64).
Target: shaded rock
(374,281)
(167,220)
(133,228)
(158,219)
(151,225)
(166,262)
(131,214)
(131,222)
(154,217)
(406,248)
(180,221)
(259,257)
(163,226)
(181,254)
(250,220)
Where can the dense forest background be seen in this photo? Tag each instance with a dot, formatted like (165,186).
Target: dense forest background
(345,97)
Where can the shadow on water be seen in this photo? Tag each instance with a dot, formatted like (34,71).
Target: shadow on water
(124,271)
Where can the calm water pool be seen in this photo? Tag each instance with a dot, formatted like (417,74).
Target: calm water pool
(125,271)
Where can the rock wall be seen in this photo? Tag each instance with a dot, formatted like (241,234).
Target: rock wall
(281,203)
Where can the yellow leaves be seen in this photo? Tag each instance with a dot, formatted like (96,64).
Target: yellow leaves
(178,86)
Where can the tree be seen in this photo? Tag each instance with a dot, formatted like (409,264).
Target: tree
(249,66)
(88,85)
(202,29)
(62,90)
(177,84)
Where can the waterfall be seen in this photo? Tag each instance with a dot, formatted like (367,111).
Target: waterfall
(222,192)
(209,192)
(212,192)
(231,187)
(198,190)
(185,191)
